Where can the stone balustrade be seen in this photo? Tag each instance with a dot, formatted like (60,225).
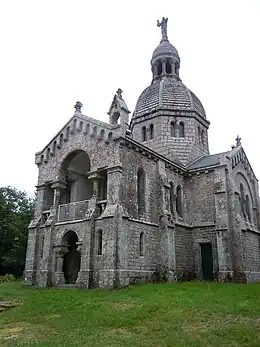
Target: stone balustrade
(72,211)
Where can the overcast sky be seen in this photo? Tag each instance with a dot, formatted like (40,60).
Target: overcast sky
(54,53)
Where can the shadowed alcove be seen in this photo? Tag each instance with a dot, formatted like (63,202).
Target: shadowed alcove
(71,264)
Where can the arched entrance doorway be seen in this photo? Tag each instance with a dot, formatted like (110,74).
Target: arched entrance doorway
(71,263)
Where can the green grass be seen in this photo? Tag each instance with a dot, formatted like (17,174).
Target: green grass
(182,314)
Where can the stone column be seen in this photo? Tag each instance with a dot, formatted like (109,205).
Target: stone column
(115,236)
(114,175)
(82,281)
(95,177)
(163,67)
(173,67)
(223,233)
(29,272)
(60,252)
(57,187)
(39,202)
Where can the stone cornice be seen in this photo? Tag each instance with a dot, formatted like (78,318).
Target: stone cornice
(204,170)
(150,154)
(168,112)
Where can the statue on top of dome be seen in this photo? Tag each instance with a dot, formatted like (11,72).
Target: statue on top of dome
(163,25)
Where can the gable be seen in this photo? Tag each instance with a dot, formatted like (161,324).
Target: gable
(77,124)
(240,162)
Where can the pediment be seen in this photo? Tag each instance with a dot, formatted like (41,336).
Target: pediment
(77,124)
(240,162)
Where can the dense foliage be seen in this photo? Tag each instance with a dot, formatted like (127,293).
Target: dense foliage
(16,211)
(7,278)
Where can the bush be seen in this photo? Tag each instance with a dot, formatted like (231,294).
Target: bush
(7,278)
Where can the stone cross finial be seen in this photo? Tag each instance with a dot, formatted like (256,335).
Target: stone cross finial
(78,106)
(238,141)
(163,25)
(119,92)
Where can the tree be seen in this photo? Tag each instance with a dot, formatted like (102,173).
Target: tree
(16,212)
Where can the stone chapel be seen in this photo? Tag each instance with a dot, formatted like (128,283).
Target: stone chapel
(141,199)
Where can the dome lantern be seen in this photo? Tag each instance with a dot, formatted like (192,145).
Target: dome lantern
(165,59)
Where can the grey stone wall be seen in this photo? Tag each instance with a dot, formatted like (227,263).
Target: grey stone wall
(183,250)
(141,267)
(252,255)
(200,235)
(131,161)
(200,199)
(179,149)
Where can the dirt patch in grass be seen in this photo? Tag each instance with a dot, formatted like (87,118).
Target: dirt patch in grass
(12,331)
(7,305)
(122,305)
(23,331)
(52,316)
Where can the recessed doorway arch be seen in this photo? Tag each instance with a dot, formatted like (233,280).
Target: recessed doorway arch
(71,263)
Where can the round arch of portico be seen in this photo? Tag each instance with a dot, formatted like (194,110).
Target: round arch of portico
(61,237)
(67,158)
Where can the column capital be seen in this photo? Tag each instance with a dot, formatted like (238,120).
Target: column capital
(79,247)
(94,175)
(61,250)
(41,186)
(58,184)
(117,168)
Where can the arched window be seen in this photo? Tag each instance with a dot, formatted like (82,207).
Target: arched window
(168,67)
(140,192)
(199,136)
(141,244)
(176,69)
(242,200)
(151,131)
(144,134)
(99,242)
(159,68)
(202,136)
(171,198)
(179,201)
(173,129)
(247,203)
(181,130)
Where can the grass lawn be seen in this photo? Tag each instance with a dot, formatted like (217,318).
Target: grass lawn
(182,314)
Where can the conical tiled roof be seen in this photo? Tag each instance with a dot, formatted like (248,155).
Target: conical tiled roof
(163,49)
(167,94)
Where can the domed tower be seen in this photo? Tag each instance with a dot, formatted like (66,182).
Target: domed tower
(168,117)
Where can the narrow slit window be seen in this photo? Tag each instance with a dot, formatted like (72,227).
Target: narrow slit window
(173,129)
(179,208)
(144,137)
(140,192)
(171,198)
(141,244)
(151,131)
(181,130)
(99,242)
